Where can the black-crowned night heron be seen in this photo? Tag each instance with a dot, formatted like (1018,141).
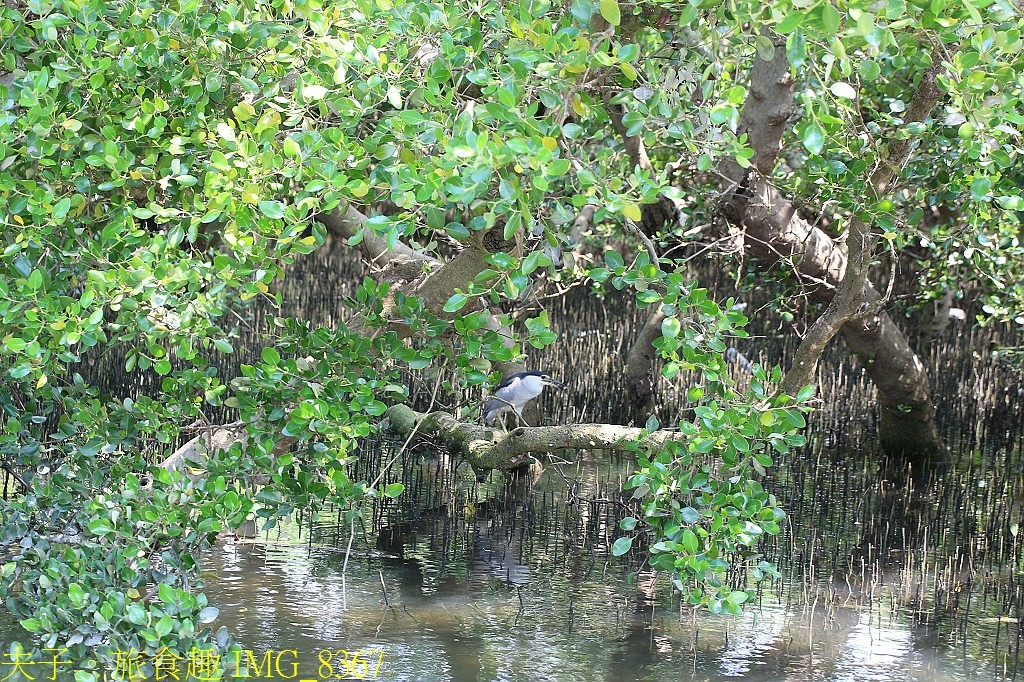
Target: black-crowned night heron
(513,393)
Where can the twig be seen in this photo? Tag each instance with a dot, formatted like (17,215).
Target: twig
(344,565)
(19,479)
(384,588)
(653,252)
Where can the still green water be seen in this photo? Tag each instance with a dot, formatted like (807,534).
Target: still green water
(498,584)
(460,581)
(549,627)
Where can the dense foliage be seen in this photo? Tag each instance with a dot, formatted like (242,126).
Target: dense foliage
(162,162)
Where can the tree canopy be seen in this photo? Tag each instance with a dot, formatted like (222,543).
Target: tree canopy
(162,163)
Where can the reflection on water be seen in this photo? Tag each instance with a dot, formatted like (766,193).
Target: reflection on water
(283,598)
(486,583)
(883,579)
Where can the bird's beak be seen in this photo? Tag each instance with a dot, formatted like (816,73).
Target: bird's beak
(554,382)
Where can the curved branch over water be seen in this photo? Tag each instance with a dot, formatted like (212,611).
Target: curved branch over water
(488,448)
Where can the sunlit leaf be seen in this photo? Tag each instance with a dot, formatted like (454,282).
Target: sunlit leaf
(621,546)
(610,12)
(844,90)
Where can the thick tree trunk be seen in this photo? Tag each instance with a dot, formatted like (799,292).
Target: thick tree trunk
(640,378)
(906,424)
(774,232)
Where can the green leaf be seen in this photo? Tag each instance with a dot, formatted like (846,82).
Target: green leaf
(765,48)
(830,18)
(611,14)
(292,148)
(20,371)
(394,97)
(612,259)
(60,209)
(813,138)
(23,265)
(628,523)
(314,91)
(791,22)
(689,540)
(272,209)
(980,188)
(394,490)
(844,90)
(455,303)
(208,615)
(35,280)
(581,10)
(805,393)
(631,211)
(226,132)
(796,48)
(869,70)
(164,626)
(506,97)
(627,52)
(137,615)
(76,593)
(534,260)
(621,546)
(670,327)
(835,167)
(457,231)
(271,356)
(737,597)
(688,14)
(176,234)
(100,527)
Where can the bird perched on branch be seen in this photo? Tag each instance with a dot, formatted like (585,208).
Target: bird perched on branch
(513,393)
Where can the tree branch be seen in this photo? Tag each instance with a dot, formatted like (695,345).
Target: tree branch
(487,448)
(346,222)
(855,290)
(774,231)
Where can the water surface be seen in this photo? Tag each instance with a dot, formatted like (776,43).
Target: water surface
(490,583)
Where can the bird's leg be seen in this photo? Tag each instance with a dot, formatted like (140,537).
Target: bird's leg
(519,418)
